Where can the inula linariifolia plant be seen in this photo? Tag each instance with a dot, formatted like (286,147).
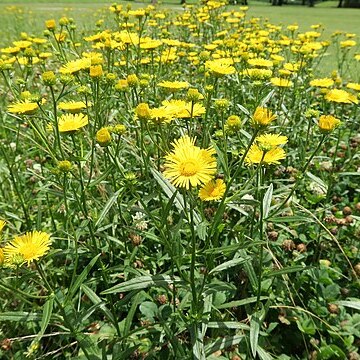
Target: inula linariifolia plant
(178,186)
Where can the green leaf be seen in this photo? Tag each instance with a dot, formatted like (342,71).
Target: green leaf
(170,190)
(267,201)
(287,270)
(229,264)
(26,316)
(107,208)
(223,343)
(263,355)
(47,312)
(97,301)
(148,309)
(143,282)
(238,303)
(81,278)
(353,303)
(254,333)
(331,352)
(290,219)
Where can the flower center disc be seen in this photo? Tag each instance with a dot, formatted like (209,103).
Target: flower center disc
(188,168)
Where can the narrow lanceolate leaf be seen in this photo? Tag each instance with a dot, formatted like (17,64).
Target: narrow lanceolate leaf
(107,208)
(229,264)
(142,282)
(287,270)
(242,302)
(81,278)
(170,190)
(354,303)
(47,312)
(223,343)
(254,333)
(18,316)
(263,355)
(97,301)
(267,201)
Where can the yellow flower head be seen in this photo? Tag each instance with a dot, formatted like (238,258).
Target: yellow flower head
(2,257)
(161,115)
(262,117)
(75,66)
(72,122)
(23,107)
(173,86)
(96,71)
(280,82)
(354,86)
(257,156)
(213,190)
(188,165)
(31,246)
(258,62)
(143,112)
(322,83)
(328,123)
(50,24)
(220,67)
(103,137)
(268,141)
(2,225)
(340,96)
(72,106)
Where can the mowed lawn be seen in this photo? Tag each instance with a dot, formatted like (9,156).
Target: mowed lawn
(18,16)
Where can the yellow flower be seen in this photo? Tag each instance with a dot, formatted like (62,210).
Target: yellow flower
(2,225)
(354,86)
(328,123)
(347,43)
(50,24)
(2,258)
(72,106)
(257,156)
(103,137)
(260,62)
(269,141)
(182,109)
(160,115)
(23,107)
(340,96)
(257,74)
(262,117)
(64,166)
(220,67)
(96,71)
(174,85)
(142,111)
(188,165)
(213,190)
(31,246)
(323,83)
(233,123)
(72,122)
(280,82)
(75,66)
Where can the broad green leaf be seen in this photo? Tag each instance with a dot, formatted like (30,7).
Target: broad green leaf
(142,282)
(267,201)
(47,312)
(229,264)
(290,219)
(331,352)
